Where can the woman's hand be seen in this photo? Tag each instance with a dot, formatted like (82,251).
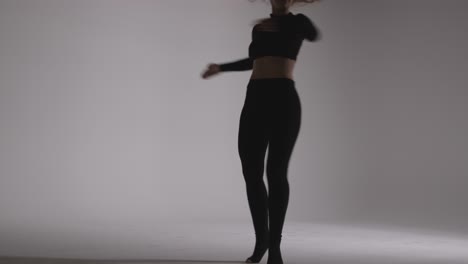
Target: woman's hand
(211,69)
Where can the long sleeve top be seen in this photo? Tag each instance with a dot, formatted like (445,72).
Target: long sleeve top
(285,42)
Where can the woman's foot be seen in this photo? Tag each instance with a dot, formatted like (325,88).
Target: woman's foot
(274,252)
(259,251)
(274,256)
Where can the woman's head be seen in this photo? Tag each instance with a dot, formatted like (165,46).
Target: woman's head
(286,4)
(281,4)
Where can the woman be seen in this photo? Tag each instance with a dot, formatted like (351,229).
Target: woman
(271,116)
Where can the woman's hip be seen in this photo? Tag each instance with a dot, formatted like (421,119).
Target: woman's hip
(272,94)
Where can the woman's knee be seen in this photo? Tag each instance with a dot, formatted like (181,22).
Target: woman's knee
(277,177)
(253,173)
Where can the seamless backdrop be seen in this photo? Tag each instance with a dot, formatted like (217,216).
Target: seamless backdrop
(106,123)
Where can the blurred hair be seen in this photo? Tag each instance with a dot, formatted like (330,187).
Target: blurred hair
(257,21)
(294,1)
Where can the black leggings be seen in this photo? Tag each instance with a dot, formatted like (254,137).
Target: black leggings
(271,116)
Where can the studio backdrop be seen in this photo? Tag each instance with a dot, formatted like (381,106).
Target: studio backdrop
(107,125)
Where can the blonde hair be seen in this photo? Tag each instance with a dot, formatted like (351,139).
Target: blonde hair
(260,20)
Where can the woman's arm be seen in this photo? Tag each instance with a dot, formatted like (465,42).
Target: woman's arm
(311,32)
(239,65)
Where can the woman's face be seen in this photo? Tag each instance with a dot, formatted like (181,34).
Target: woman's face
(281,4)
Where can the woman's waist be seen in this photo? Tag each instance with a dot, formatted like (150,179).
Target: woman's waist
(273,67)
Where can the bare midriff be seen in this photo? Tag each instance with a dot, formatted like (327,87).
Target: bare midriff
(273,67)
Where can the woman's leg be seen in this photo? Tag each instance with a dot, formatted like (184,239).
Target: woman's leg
(252,144)
(285,125)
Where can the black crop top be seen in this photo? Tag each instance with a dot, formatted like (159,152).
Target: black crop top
(286,42)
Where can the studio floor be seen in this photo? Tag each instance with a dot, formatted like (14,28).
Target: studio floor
(213,243)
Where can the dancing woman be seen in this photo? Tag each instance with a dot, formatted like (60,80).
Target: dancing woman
(271,116)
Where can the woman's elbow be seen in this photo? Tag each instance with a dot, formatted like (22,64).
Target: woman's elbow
(314,36)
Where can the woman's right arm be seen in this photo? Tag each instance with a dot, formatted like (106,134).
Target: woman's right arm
(239,65)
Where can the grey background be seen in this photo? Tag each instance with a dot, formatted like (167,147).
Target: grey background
(106,125)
